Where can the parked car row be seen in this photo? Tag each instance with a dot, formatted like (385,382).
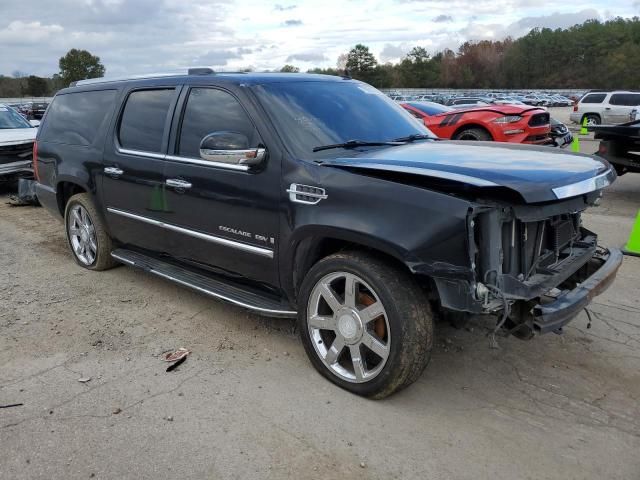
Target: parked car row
(533,99)
(317,197)
(30,110)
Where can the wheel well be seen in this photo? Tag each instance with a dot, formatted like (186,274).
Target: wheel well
(590,114)
(470,126)
(310,253)
(66,190)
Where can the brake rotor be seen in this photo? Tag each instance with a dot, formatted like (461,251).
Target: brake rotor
(379,325)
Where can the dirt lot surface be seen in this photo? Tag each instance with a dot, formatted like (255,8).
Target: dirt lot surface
(247,403)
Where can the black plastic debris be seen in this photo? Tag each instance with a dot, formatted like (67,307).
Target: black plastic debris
(26,194)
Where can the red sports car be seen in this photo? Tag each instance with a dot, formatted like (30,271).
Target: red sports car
(501,123)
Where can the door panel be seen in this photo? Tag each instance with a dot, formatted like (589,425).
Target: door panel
(133,180)
(229,213)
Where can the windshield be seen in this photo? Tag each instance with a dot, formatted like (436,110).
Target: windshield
(312,114)
(9,118)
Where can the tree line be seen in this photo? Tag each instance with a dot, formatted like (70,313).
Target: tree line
(74,65)
(593,54)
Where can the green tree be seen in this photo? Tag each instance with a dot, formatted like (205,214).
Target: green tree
(36,86)
(79,65)
(361,63)
(417,70)
(289,69)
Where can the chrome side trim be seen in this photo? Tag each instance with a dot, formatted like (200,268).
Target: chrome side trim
(263,252)
(175,158)
(207,163)
(140,153)
(585,186)
(284,313)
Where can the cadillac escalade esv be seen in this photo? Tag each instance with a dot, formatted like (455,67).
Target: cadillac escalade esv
(318,197)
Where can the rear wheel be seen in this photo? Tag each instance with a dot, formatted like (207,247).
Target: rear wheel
(365,324)
(86,234)
(592,119)
(476,134)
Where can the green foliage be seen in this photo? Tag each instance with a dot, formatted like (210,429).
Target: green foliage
(590,55)
(36,86)
(289,69)
(361,63)
(79,65)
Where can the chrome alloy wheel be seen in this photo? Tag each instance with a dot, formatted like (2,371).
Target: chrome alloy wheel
(348,326)
(82,235)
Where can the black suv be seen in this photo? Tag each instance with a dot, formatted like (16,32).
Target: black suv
(318,197)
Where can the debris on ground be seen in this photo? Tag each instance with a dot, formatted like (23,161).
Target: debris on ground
(26,194)
(177,355)
(116,411)
(175,365)
(11,405)
(84,379)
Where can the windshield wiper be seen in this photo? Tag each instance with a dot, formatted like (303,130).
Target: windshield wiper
(357,143)
(413,138)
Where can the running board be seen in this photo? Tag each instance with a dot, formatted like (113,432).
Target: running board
(232,293)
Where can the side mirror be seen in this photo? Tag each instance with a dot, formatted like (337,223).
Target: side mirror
(34,123)
(231,148)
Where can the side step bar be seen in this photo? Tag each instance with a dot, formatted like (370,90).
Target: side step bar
(232,293)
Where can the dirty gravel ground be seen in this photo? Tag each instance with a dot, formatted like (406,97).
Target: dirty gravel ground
(247,403)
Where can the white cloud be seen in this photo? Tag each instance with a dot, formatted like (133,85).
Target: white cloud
(151,35)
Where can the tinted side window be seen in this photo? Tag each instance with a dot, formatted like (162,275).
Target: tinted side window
(209,110)
(76,118)
(625,99)
(143,119)
(594,98)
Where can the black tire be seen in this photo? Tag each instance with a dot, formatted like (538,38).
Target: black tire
(620,170)
(407,310)
(477,134)
(103,259)
(592,119)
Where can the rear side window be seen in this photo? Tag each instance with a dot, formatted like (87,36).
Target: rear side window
(144,118)
(210,110)
(594,98)
(76,118)
(625,99)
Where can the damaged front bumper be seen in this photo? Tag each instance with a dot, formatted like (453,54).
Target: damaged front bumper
(552,316)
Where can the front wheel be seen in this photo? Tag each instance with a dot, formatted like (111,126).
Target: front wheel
(365,324)
(476,134)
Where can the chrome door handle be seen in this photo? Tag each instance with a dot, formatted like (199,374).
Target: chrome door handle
(113,171)
(177,183)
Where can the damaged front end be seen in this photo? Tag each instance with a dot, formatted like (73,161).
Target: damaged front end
(534,266)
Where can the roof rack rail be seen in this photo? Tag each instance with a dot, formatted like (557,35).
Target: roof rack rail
(190,71)
(200,71)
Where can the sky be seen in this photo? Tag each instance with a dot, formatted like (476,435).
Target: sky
(142,36)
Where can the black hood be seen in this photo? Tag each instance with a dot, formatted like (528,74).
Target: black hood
(537,174)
